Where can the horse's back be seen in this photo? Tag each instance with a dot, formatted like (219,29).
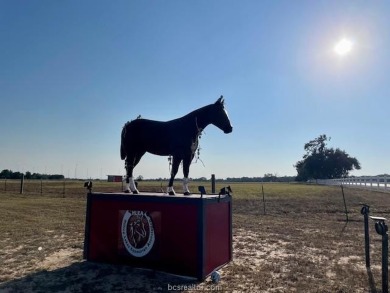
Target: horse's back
(144,135)
(146,127)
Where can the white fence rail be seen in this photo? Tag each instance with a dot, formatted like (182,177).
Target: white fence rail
(375,182)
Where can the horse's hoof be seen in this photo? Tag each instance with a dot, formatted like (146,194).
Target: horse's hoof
(126,191)
(187,193)
(172,193)
(135,192)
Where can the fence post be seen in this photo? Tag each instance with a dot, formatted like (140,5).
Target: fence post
(262,190)
(21,184)
(5,184)
(212,183)
(345,204)
(381,228)
(366,211)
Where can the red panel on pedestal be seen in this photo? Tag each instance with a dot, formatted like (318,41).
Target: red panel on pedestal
(183,235)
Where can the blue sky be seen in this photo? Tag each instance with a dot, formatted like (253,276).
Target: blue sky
(73,72)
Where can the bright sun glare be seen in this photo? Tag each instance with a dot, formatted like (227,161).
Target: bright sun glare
(343,47)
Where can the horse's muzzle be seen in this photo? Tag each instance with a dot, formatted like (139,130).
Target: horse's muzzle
(230,129)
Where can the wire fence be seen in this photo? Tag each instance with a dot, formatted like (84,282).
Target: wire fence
(75,188)
(61,188)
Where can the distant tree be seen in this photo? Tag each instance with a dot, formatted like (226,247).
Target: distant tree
(16,175)
(269,177)
(36,176)
(55,177)
(321,162)
(6,174)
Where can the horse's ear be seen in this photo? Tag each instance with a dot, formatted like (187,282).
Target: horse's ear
(220,100)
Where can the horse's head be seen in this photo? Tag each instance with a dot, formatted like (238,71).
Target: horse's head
(219,116)
(137,231)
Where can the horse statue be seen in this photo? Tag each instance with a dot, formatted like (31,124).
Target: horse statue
(177,138)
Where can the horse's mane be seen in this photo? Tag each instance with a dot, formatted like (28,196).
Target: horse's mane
(193,113)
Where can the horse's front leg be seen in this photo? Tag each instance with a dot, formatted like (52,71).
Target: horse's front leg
(175,167)
(186,170)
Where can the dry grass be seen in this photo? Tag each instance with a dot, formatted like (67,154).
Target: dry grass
(301,244)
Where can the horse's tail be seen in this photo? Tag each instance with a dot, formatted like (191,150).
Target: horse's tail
(123,149)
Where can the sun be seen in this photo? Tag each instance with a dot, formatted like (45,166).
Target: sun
(343,47)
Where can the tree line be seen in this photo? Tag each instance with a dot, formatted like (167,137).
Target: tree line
(8,174)
(266,178)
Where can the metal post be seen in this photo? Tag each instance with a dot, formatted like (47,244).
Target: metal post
(381,228)
(385,260)
(365,211)
(212,183)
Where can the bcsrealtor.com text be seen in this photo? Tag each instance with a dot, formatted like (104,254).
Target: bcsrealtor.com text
(194,287)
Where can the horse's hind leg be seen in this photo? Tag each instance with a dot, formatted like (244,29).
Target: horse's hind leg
(175,167)
(186,171)
(129,177)
(131,162)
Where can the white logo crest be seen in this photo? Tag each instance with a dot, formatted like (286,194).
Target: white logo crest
(137,233)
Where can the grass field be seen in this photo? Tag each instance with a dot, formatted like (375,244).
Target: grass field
(302,243)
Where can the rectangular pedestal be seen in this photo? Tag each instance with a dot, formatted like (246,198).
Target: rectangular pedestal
(190,236)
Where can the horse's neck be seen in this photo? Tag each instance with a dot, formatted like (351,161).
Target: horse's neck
(200,119)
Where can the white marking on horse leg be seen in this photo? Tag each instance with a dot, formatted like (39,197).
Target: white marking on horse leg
(170,190)
(127,187)
(186,191)
(132,186)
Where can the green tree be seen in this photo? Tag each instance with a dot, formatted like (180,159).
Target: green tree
(6,174)
(16,175)
(321,162)
(269,177)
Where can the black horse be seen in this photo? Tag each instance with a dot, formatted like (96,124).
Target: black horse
(177,138)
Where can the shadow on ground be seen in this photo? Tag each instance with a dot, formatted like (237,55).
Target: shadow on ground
(93,277)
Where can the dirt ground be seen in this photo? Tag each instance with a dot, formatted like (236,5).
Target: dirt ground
(302,243)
